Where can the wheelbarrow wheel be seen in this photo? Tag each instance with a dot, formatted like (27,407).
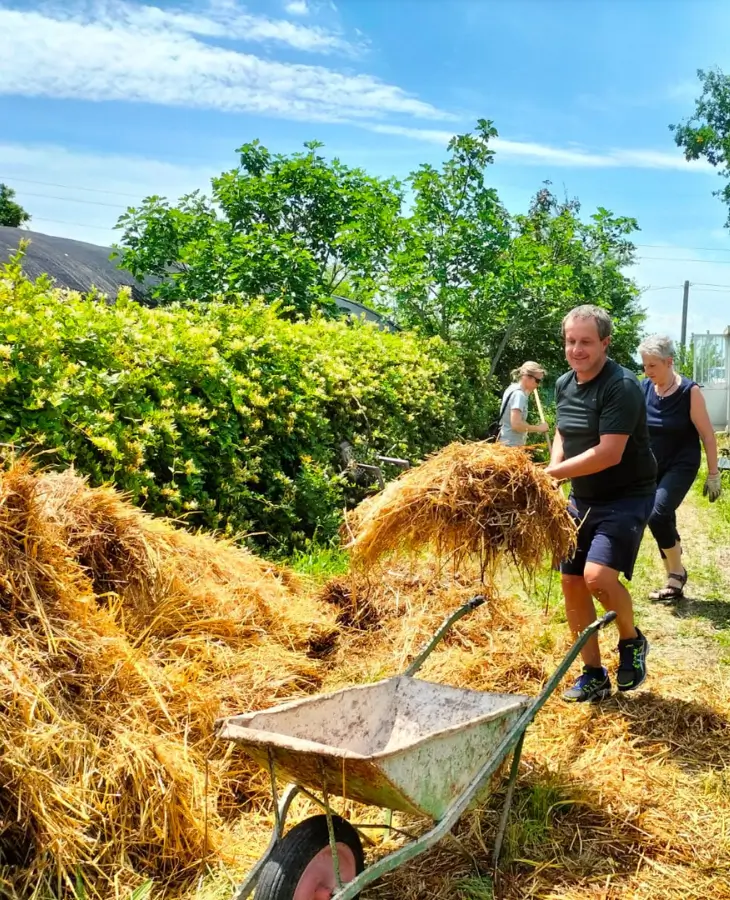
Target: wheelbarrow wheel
(301,866)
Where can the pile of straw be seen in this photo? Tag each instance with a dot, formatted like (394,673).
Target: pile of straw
(478,499)
(122,639)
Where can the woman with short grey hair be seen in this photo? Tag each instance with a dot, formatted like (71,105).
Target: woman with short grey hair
(678,421)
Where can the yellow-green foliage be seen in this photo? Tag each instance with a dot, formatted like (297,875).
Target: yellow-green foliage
(225,414)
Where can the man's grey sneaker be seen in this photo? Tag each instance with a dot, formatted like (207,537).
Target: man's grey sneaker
(632,662)
(592,686)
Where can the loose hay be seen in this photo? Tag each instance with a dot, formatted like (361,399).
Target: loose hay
(477,499)
(121,640)
(627,801)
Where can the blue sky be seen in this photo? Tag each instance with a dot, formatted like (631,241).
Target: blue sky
(105,101)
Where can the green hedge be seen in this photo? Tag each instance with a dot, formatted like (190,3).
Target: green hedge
(226,415)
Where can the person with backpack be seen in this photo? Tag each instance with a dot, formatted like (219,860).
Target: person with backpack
(513,428)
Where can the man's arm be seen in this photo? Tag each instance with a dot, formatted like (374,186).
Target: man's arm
(557,454)
(606,453)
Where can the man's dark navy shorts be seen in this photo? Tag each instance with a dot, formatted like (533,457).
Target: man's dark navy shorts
(609,533)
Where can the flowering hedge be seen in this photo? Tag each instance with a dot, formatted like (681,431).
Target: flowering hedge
(226,415)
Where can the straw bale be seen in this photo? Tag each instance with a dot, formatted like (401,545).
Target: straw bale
(483,500)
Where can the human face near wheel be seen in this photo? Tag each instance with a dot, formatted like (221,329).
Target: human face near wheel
(318,881)
(585,352)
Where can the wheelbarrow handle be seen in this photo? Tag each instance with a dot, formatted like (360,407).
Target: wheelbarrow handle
(449,621)
(604,620)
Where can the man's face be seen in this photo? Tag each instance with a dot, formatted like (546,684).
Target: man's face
(584,350)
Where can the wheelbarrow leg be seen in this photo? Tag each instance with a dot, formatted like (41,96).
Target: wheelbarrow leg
(280,814)
(508,800)
(331,830)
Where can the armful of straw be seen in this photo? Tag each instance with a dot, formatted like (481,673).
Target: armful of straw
(606,453)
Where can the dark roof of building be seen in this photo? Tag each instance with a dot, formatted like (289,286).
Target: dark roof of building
(74,265)
(78,266)
(358,309)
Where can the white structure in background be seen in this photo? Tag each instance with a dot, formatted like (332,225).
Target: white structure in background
(711,368)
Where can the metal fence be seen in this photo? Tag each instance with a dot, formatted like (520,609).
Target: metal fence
(711,367)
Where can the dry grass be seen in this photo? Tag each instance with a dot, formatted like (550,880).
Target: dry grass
(121,640)
(481,500)
(628,800)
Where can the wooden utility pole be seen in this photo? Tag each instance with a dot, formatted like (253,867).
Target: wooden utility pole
(685,304)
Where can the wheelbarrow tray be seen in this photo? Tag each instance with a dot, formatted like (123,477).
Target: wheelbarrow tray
(401,744)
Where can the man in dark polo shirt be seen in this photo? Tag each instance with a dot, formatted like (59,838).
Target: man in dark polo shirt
(602,446)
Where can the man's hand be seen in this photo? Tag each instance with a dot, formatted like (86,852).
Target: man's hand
(713,487)
(542,428)
(553,470)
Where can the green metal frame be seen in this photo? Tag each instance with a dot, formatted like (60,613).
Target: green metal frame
(512,742)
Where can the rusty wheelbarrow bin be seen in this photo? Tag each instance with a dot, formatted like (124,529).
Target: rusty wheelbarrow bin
(402,744)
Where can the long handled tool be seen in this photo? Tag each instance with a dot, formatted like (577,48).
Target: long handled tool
(542,419)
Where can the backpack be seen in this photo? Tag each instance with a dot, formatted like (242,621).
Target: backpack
(494,429)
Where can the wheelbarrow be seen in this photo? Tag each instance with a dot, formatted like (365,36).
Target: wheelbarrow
(401,744)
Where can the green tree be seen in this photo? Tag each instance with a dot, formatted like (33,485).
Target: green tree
(558,261)
(287,227)
(706,133)
(443,272)
(11,213)
(497,286)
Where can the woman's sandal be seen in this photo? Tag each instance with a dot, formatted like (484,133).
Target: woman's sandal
(671,592)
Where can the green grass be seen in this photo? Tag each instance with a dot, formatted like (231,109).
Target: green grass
(320,561)
(475,889)
(531,817)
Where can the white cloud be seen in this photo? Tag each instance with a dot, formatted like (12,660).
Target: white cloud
(297,8)
(141,53)
(222,19)
(531,153)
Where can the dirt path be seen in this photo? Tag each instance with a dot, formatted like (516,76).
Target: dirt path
(697,628)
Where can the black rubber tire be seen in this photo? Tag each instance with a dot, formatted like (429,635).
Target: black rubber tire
(291,856)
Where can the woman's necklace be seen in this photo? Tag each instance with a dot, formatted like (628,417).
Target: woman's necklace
(665,391)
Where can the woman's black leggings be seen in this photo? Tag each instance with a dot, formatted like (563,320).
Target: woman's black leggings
(672,487)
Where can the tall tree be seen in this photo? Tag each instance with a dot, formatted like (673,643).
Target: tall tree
(288,227)
(495,285)
(558,261)
(11,213)
(442,274)
(706,133)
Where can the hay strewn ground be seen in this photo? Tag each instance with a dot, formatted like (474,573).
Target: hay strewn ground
(121,640)
(628,800)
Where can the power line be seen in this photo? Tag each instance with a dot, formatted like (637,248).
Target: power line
(712,290)
(668,287)
(74,200)
(704,262)
(683,247)
(69,187)
(75,224)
